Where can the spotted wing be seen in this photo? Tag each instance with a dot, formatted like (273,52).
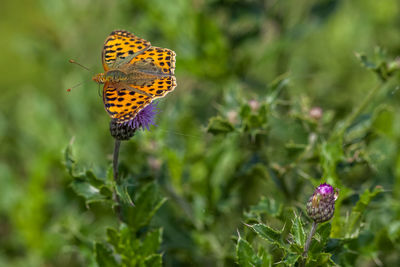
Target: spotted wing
(156,88)
(121,102)
(121,45)
(162,58)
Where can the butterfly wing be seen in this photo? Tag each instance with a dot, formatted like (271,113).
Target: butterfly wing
(120,46)
(159,62)
(162,58)
(123,103)
(156,88)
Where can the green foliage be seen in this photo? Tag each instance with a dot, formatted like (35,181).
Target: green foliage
(273,99)
(288,244)
(123,248)
(129,246)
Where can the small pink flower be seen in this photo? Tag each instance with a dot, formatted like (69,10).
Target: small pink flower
(316,113)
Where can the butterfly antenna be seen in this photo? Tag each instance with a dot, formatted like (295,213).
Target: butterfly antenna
(74,62)
(76,85)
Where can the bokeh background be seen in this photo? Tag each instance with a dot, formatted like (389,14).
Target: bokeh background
(229,52)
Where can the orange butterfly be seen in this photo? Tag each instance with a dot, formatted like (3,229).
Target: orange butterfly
(135,74)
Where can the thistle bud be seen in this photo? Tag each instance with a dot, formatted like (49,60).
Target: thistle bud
(321,205)
(121,131)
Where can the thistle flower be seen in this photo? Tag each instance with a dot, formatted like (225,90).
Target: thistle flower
(321,205)
(144,119)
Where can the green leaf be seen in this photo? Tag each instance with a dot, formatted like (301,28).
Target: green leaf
(297,231)
(245,254)
(151,242)
(122,191)
(90,193)
(354,221)
(148,201)
(320,238)
(267,233)
(154,260)
(93,179)
(267,206)
(320,259)
(291,259)
(105,191)
(218,125)
(384,122)
(265,258)
(104,256)
(324,230)
(113,237)
(69,161)
(331,154)
(365,62)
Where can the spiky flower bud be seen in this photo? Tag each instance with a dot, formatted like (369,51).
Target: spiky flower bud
(321,205)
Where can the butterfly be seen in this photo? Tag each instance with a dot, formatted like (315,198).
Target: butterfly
(135,73)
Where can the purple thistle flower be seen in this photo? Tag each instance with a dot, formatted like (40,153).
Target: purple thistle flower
(324,189)
(144,118)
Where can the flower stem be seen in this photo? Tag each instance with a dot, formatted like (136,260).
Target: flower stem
(117,145)
(308,242)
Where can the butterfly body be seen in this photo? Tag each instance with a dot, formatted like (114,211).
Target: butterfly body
(135,74)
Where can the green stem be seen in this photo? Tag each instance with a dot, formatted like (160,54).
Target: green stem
(117,145)
(308,242)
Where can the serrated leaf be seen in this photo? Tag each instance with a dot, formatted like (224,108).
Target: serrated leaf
(218,125)
(297,231)
(320,260)
(151,242)
(291,259)
(354,221)
(147,202)
(90,193)
(276,87)
(267,206)
(105,191)
(267,233)
(153,260)
(245,254)
(324,230)
(265,258)
(104,256)
(320,239)
(123,194)
(93,179)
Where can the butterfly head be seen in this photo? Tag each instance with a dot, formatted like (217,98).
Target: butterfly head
(99,78)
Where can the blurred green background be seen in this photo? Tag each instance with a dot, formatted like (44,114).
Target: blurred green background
(229,52)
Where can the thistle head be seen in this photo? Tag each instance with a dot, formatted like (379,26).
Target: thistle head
(321,205)
(144,119)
